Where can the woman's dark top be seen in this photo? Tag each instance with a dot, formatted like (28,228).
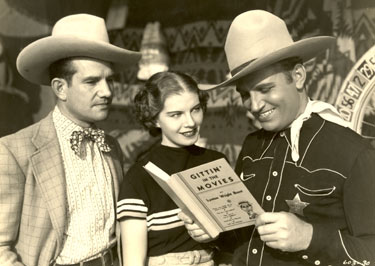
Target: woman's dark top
(142,198)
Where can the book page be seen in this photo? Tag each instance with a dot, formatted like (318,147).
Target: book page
(223,194)
(184,199)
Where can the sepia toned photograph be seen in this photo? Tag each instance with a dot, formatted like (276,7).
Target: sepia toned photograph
(187,132)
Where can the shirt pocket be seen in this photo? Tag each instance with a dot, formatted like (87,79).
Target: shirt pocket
(321,192)
(324,201)
(254,169)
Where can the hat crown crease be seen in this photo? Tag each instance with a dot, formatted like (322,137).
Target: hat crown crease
(253,35)
(84,26)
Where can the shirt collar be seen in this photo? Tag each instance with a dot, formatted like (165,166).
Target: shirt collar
(64,126)
(325,110)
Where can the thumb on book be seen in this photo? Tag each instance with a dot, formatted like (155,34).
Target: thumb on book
(185,218)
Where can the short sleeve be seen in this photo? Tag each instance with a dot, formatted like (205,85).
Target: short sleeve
(132,197)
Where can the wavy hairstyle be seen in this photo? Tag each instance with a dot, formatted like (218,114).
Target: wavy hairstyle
(149,101)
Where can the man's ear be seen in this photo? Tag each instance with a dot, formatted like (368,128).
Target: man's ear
(59,87)
(299,76)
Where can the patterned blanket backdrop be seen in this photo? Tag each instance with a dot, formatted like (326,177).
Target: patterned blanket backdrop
(197,48)
(194,35)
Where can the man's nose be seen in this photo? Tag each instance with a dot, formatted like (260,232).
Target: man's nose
(105,89)
(256,102)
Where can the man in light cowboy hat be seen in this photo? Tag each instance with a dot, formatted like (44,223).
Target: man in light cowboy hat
(314,177)
(59,177)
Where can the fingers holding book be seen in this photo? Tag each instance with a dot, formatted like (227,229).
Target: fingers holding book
(194,230)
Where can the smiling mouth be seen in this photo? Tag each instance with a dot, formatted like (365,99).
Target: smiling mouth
(265,115)
(190,133)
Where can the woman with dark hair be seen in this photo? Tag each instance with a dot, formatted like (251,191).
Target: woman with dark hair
(169,104)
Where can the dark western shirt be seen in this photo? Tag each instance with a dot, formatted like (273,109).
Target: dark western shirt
(331,186)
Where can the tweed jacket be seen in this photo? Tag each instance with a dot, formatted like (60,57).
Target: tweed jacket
(33,194)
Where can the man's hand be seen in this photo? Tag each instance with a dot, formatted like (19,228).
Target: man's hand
(194,230)
(284,231)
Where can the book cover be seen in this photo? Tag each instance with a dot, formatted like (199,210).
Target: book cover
(212,193)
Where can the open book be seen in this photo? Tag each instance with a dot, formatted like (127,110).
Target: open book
(212,194)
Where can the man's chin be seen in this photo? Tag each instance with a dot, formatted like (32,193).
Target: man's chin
(101,116)
(269,126)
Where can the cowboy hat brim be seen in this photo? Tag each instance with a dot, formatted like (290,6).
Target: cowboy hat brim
(34,60)
(305,49)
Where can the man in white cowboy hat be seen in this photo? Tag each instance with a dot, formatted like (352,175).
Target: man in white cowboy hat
(313,176)
(59,177)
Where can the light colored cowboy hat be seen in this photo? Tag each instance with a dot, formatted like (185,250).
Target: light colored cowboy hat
(258,38)
(75,35)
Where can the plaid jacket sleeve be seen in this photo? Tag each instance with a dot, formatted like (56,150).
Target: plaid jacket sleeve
(12,182)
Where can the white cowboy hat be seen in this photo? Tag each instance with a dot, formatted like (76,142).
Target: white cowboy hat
(258,38)
(75,35)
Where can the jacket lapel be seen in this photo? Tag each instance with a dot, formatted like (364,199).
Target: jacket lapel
(116,172)
(49,173)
